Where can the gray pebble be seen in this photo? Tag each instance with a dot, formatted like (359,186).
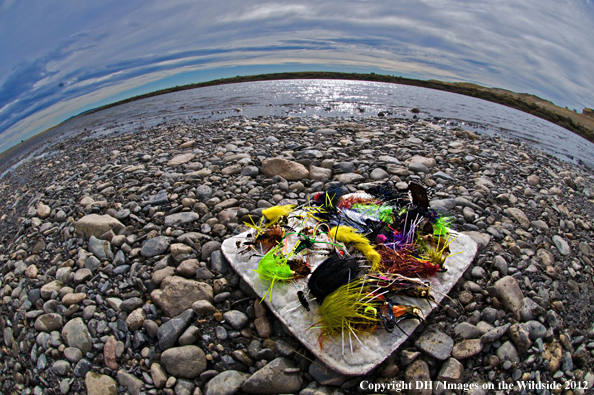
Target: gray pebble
(435,343)
(465,330)
(64,386)
(489,314)
(221,333)
(500,264)
(266,354)
(155,246)
(536,330)
(418,168)
(61,368)
(478,272)
(73,354)
(508,352)
(41,362)
(236,319)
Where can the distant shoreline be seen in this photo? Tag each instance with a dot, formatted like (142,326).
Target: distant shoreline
(580,124)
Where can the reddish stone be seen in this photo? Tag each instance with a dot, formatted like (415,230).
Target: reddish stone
(109,353)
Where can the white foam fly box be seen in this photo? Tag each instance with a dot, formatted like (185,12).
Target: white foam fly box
(344,354)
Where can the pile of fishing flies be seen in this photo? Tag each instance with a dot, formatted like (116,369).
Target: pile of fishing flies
(374,245)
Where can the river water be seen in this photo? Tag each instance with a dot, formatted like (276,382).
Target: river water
(332,98)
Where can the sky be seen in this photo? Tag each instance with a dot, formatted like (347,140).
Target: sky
(59,58)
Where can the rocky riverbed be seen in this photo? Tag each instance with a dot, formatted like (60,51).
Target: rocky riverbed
(113,281)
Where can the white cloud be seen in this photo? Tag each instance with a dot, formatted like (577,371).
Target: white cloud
(268,11)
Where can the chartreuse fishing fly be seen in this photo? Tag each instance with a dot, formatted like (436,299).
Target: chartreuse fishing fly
(312,212)
(381,212)
(441,226)
(274,267)
(257,227)
(348,235)
(436,250)
(351,309)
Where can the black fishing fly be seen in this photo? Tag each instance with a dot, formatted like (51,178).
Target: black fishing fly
(331,274)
